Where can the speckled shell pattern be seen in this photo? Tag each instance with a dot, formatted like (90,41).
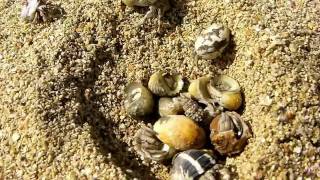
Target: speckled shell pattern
(212,41)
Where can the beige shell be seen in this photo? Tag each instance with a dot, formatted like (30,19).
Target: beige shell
(198,88)
(212,41)
(229,133)
(139,100)
(226,91)
(180,132)
(169,106)
(164,84)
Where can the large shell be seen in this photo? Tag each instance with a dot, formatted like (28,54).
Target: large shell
(191,164)
(164,84)
(139,100)
(149,147)
(198,88)
(180,132)
(229,133)
(169,106)
(212,41)
(226,91)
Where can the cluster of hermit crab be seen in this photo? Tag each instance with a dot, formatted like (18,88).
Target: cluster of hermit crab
(186,120)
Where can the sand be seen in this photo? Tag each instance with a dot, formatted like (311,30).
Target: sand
(61,85)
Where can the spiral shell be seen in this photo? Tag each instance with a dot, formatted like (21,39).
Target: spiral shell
(139,100)
(191,164)
(229,133)
(164,84)
(191,108)
(180,132)
(149,147)
(226,91)
(212,41)
(198,88)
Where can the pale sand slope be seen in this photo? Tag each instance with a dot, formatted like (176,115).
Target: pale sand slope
(61,85)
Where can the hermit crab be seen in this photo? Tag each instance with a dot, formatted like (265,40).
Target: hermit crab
(35,10)
(149,147)
(197,164)
(179,132)
(212,41)
(138,101)
(222,90)
(229,133)
(161,5)
(165,84)
(226,91)
(169,106)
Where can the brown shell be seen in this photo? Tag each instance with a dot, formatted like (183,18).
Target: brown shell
(229,133)
(180,132)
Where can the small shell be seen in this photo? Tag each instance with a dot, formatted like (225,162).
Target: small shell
(139,100)
(226,91)
(180,132)
(198,88)
(191,164)
(164,84)
(229,133)
(212,41)
(169,106)
(149,147)
(191,108)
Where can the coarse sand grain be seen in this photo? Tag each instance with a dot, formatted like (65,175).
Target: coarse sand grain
(61,85)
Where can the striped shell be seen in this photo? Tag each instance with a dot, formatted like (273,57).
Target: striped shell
(149,147)
(191,164)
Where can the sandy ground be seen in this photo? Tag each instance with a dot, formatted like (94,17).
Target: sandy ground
(61,85)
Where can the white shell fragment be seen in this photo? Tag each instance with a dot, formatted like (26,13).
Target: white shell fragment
(212,41)
(29,9)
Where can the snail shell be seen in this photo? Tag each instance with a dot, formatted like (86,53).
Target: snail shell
(149,147)
(169,106)
(198,88)
(180,132)
(229,133)
(191,108)
(191,164)
(164,84)
(212,41)
(226,91)
(139,100)
(141,3)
